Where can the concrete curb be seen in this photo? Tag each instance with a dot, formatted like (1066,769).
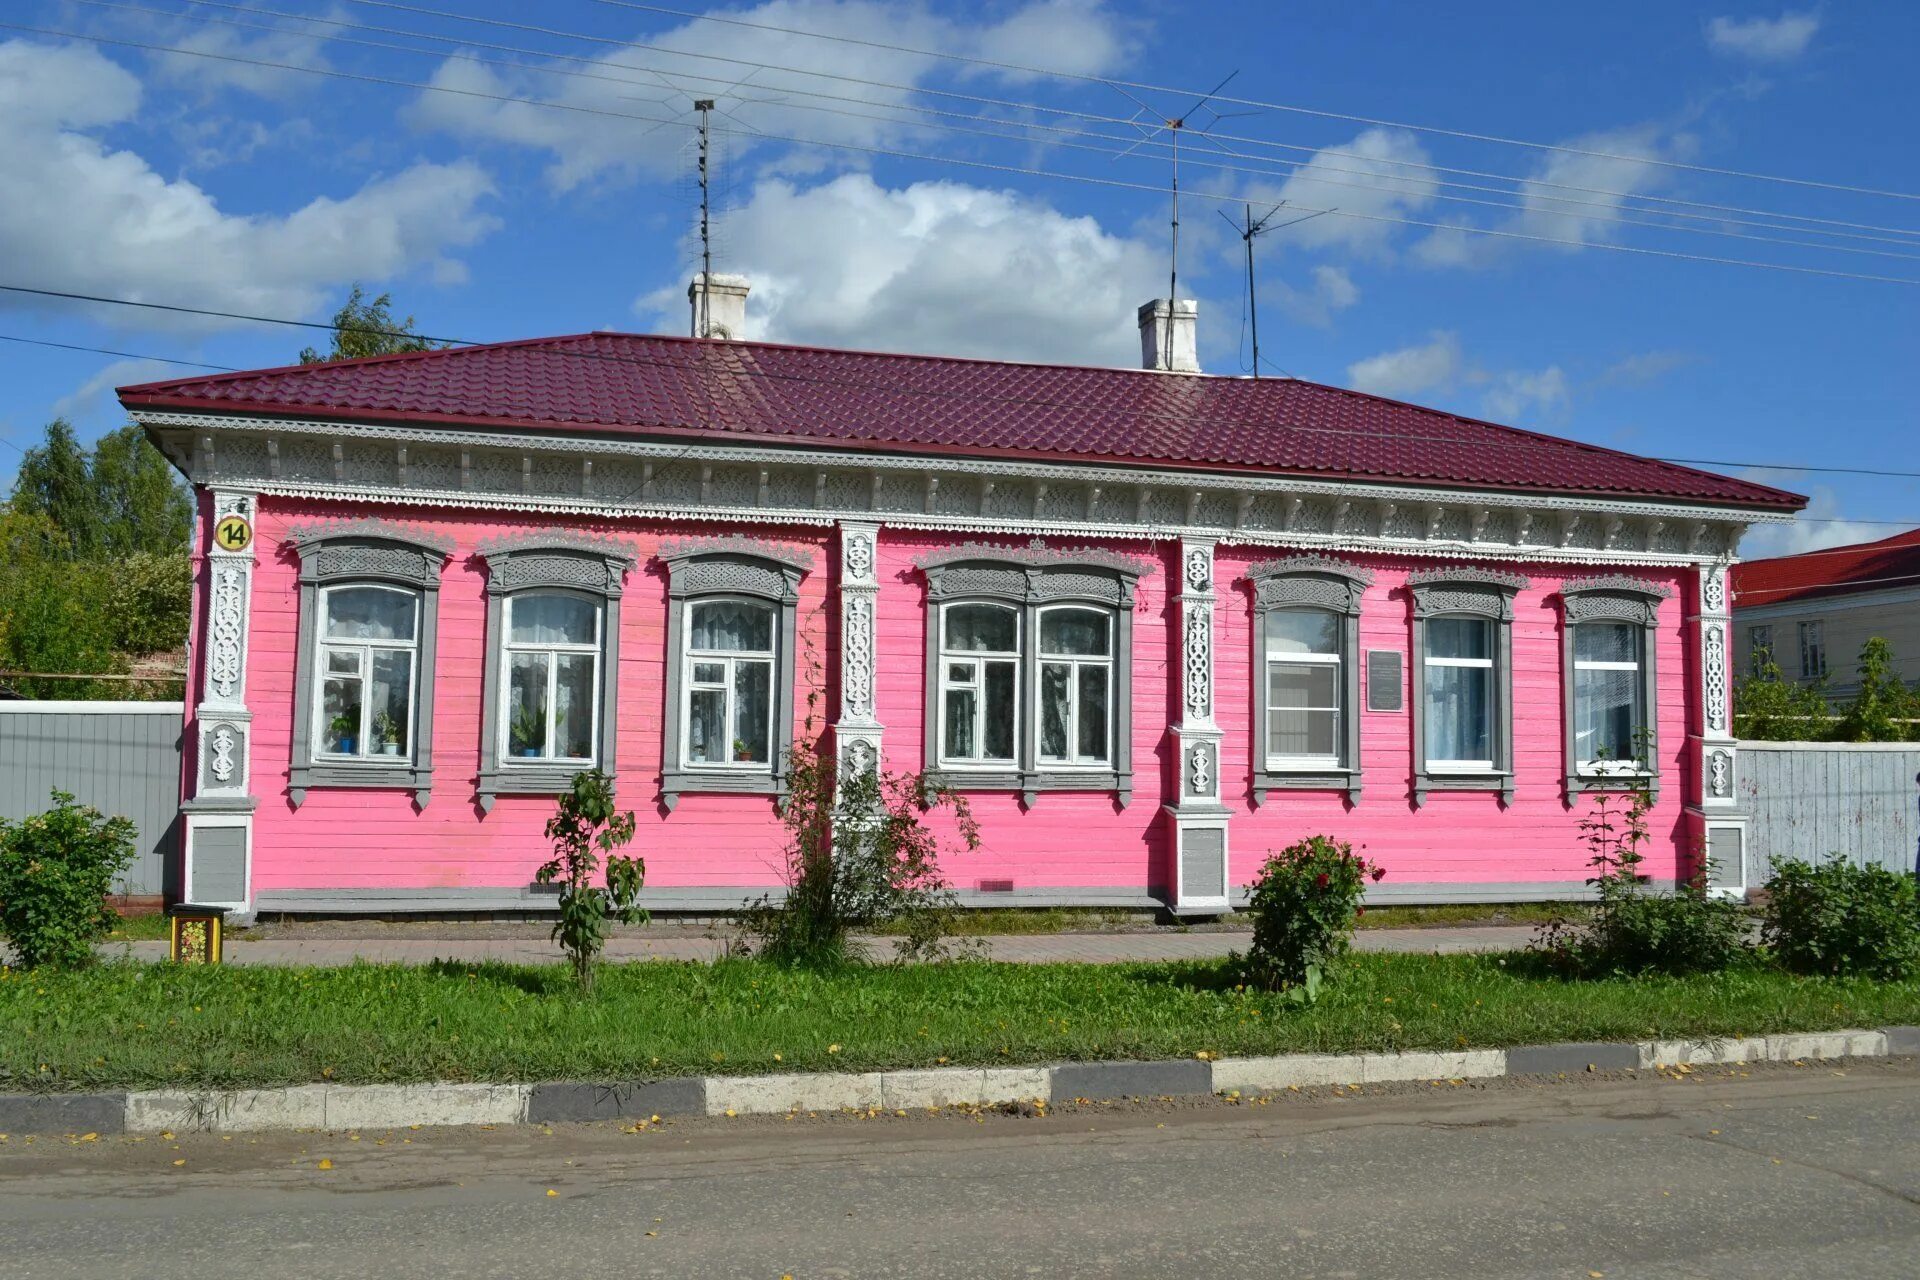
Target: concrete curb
(393,1106)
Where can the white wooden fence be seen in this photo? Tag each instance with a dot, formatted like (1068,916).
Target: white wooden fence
(1859,800)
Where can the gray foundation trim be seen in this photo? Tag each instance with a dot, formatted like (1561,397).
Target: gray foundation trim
(561,1102)
(718,568)
(1474,592)
(1331,586)
(584,566)
(1614,597)
(369,551)
(1031,579)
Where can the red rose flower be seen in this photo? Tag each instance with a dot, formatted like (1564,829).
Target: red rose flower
(1320,881)
(1378,872)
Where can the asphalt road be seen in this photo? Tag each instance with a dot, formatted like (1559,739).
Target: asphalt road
(1779,1173)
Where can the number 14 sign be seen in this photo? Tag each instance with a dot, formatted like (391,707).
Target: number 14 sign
(233,533)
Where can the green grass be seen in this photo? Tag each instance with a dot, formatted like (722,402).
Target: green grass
(151,927)
(1459,913)
(148,1025)
(993,922)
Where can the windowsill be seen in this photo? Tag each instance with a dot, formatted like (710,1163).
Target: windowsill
(1329,777)
(388,773)
(1495,781)
(697,780)
(1583,780)
(1030,784)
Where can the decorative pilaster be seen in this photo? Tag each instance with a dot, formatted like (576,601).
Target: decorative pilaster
(1198,817)
(219,810)
(1717,793)
(857,733)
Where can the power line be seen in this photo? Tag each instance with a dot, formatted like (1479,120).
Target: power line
(126,355)
(1247,102)
(1027,171)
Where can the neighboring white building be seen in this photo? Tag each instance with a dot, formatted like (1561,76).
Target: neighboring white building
(1816,610)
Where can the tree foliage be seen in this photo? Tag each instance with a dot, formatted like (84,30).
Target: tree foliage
(56,869)
(366,327)
(117,499)
(1883,706)
(1769,707)
(586,827)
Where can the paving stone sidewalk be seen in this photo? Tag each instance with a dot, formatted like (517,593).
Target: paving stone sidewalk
(1087,948)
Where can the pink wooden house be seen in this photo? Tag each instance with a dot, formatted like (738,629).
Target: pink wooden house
(1154,624)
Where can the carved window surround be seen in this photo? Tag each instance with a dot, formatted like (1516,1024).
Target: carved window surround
(731,566)
(1612,598)
(366,551)
(1309,582)
(1029,578)
(1474,592)
(593,567)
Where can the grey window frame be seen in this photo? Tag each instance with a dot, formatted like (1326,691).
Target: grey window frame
(1612,598)
(369,553)
(1030,579)
(1465,591)
(547,563)
(1759,641)
(1332,586)
(720,569)
(1813,629)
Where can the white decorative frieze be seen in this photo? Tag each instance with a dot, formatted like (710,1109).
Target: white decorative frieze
(857,733)
(1714,672)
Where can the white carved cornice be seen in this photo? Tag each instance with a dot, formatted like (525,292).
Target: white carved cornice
(1036,555)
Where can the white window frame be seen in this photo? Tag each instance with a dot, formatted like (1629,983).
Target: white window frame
(365,649)
(1759,641)
(731,659)
(1279,762)
(1491,666)
(1073,762)
(1592,768)
(509,648)
(977,660)
(1813,643)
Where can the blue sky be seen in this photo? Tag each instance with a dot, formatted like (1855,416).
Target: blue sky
(497,212)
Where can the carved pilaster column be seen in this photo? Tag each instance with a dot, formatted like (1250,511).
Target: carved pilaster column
(1717,792)
(219,810)
(1198,818)
(857,733)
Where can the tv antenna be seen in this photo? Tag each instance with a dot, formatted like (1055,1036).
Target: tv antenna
(705,107)
(1174,127)
(1249,233)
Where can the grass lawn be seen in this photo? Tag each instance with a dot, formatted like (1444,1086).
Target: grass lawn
(147,1025)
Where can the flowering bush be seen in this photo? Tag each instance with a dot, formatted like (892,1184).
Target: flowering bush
(56,869)
(1305,903)
(1837,918)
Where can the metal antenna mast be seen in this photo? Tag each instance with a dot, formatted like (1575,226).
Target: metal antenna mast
(705,107)
(1251,230)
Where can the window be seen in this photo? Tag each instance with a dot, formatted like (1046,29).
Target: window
(980,680)
(731,636)
(1610,713)
(1303,688)
(1813,650)
(552,677)
(1076,684)
(1608,644)
(1460,694)
(729,684)
(363,667)
(367,660)
(553,635)
(1759,648)
(1027,653)
(1306,675)
(1462,675)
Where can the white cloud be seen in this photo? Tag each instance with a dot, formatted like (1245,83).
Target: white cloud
(1331,289)
(1382,172)
(103,221)
(1643,368)
(1518,395)
(1410,371)
(599,140)
(1823,524)
(90,396)
(1778,39)
(222,68)
(936,267)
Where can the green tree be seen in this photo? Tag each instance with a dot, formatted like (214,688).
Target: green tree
(53,482)
(1769,707)
(1882,703)
(367,328)
(119,498)
(53,612)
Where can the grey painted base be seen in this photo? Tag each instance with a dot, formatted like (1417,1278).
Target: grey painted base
(722,898)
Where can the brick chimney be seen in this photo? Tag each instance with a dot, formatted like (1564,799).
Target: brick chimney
(719,306)
(1168,341)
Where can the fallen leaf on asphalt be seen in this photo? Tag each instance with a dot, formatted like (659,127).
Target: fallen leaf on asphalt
(178,1163)
(552,1192)
(324,1164)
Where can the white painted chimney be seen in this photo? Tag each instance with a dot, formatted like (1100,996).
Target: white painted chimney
(719,306)
(1168,341)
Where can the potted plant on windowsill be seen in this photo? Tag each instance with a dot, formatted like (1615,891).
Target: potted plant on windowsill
(343,727)
(386,731)
(524,734)
(741,751)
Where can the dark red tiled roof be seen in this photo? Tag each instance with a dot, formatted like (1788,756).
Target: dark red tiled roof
(1887,565)
(766,392)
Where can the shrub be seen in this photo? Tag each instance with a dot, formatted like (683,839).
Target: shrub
(587,821)
(859,855)
(56,869)
(1837,918)
(1630,928)
(1305,902)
